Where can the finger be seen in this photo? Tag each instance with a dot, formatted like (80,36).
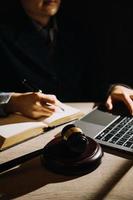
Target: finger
(50,99)
(109,103)
(43,112)
(38,96)
(48,107)
(44,107)
(129,103)
(39,114)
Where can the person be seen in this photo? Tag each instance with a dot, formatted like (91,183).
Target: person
(41,49)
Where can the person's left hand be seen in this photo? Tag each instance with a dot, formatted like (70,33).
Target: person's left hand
(120,93)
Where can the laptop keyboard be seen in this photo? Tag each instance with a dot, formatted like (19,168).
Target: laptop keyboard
(120,132)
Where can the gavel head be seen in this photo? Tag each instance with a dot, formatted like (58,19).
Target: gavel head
(75,139)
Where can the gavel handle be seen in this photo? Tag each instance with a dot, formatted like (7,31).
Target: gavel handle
(17,161)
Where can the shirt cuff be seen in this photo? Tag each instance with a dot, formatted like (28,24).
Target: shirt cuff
(4,99)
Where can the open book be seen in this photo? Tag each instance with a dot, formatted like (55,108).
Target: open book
(17,128)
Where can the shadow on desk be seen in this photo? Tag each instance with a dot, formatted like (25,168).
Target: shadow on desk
(28,177)
(31,176)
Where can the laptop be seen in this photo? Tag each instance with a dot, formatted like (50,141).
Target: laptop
(110,129)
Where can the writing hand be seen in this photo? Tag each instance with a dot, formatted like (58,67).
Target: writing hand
(32,104)
(123,94)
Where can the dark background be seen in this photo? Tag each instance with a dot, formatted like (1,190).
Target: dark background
(111,25)
(95,48)
(106,26)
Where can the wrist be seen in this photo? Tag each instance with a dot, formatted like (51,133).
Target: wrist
(12,105)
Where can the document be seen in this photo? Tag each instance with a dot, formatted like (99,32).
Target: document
(16,128)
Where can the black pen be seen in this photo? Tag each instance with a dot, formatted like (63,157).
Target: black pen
(35,89)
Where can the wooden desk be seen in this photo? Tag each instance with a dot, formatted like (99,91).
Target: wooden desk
(112,180)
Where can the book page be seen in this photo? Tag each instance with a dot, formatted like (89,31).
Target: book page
(10,130)
(62,111)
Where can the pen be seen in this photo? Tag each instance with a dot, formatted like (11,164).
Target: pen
(35,89)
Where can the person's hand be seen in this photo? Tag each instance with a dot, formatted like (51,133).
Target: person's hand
(123,94)
(32,104)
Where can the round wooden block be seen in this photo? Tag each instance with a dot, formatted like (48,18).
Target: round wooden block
(58,158)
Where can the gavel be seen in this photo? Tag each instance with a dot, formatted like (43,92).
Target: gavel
(75,138)
(71,143)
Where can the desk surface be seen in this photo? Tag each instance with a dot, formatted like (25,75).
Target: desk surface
(112,180)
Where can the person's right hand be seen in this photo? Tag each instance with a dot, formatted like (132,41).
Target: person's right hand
(32,104)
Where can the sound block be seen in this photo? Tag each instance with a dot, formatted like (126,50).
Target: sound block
(58,158)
